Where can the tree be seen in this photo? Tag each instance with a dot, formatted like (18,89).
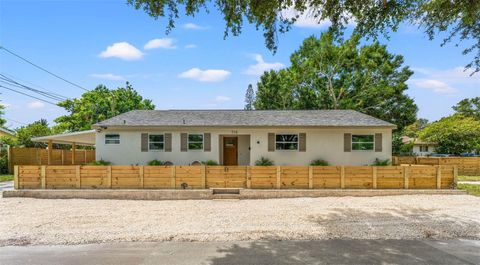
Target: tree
(2,112)
(454,134)
(329,73)
(249,98)
(469,107)
(35,129)
(372,18)
(414,129)
(99,104)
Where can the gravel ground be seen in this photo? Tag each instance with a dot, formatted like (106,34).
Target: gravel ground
(25,221)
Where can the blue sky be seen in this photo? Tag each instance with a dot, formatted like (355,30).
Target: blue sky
(109,42)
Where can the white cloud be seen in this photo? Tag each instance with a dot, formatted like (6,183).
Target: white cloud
(437,86)
(190,46)
(209,75)
(222,99)
(109,76)
(35,105)
(261,66)
(307,19)
(193,26)
(165,43)
(122,50)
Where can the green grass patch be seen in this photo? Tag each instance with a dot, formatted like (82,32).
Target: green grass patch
(6,178)
(471,189)
(468,178)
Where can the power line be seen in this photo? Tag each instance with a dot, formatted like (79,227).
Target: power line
(47,94)
(31,85)
(19,122)
(41,68)
(11,89)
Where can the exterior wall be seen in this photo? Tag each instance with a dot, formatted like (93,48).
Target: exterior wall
(324,143)
(416,150)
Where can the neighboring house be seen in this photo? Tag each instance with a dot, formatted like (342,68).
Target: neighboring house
(6,132)
(420,148)
(239,137)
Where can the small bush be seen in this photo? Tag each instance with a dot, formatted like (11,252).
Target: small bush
(379,162)
(319,162)
(100,162)
(156,162)
(263,161)
(210,163)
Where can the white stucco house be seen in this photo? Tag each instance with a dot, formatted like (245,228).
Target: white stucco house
(420,147)
(239,137)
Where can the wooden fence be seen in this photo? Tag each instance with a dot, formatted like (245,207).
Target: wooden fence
(254,177)
(38,156)
(467,166)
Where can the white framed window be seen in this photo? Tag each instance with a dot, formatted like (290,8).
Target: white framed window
(156,142)
(195,141)
(113,138)
(365,142)
(286,142)
(423,148)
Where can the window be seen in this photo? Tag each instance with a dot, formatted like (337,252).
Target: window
(195,142)
(286,142)
(423,148)
(112,138)
(156,142)
(362,142)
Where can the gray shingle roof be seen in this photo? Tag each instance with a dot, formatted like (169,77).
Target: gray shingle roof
(238,118)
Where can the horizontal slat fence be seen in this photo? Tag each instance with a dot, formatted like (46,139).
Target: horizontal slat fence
(467,166)
(252,177)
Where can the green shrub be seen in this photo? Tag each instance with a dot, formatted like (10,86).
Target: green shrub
(3,164)
(100,162)
(319,162)
(263,161)
(379,162)
(210,163)
(156,162)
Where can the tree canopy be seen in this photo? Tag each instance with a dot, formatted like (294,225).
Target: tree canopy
(34,129)
(329,73)
(373,18)
(468,107)
(249,98)
(99,104)
(454,134)
(2,112)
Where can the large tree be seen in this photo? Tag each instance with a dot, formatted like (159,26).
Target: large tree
(2,112)
(34,129)
(249,98)
(454,134)
(99,104)
(469,107)
(326,73)
(372,18)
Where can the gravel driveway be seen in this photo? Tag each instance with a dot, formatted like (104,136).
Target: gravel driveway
(25,221)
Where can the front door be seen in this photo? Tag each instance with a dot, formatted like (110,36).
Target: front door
(230,154)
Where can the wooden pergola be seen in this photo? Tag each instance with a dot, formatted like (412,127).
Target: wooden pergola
(83,138)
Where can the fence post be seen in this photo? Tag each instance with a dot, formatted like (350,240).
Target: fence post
(310,177)
(43,173)
(15,177)
(78,182)
(455,174)
(374,177)
(439,177)
(342,177)
(174,174)
(204,176)
(406,175)
(109,177)
(249,178)
(279,172)
(140,174)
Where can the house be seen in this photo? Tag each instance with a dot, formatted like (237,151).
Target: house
(6,132)
(420,147)
(240,137)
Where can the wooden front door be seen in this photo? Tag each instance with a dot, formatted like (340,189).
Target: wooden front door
(230,154)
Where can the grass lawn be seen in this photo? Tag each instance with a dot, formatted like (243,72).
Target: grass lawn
(6,177)
(468,178)
(471,189)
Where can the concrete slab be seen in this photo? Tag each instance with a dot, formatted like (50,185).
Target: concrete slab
(261,252)
(208,194)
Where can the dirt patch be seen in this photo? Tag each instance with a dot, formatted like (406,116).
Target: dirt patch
(25,221)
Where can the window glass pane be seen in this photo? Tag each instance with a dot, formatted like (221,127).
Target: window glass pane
(362,138)
(287,146)
(156,146)
(195,146)
(112,139)
(286,138)
(156,137)
(362,146)
(195,137)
